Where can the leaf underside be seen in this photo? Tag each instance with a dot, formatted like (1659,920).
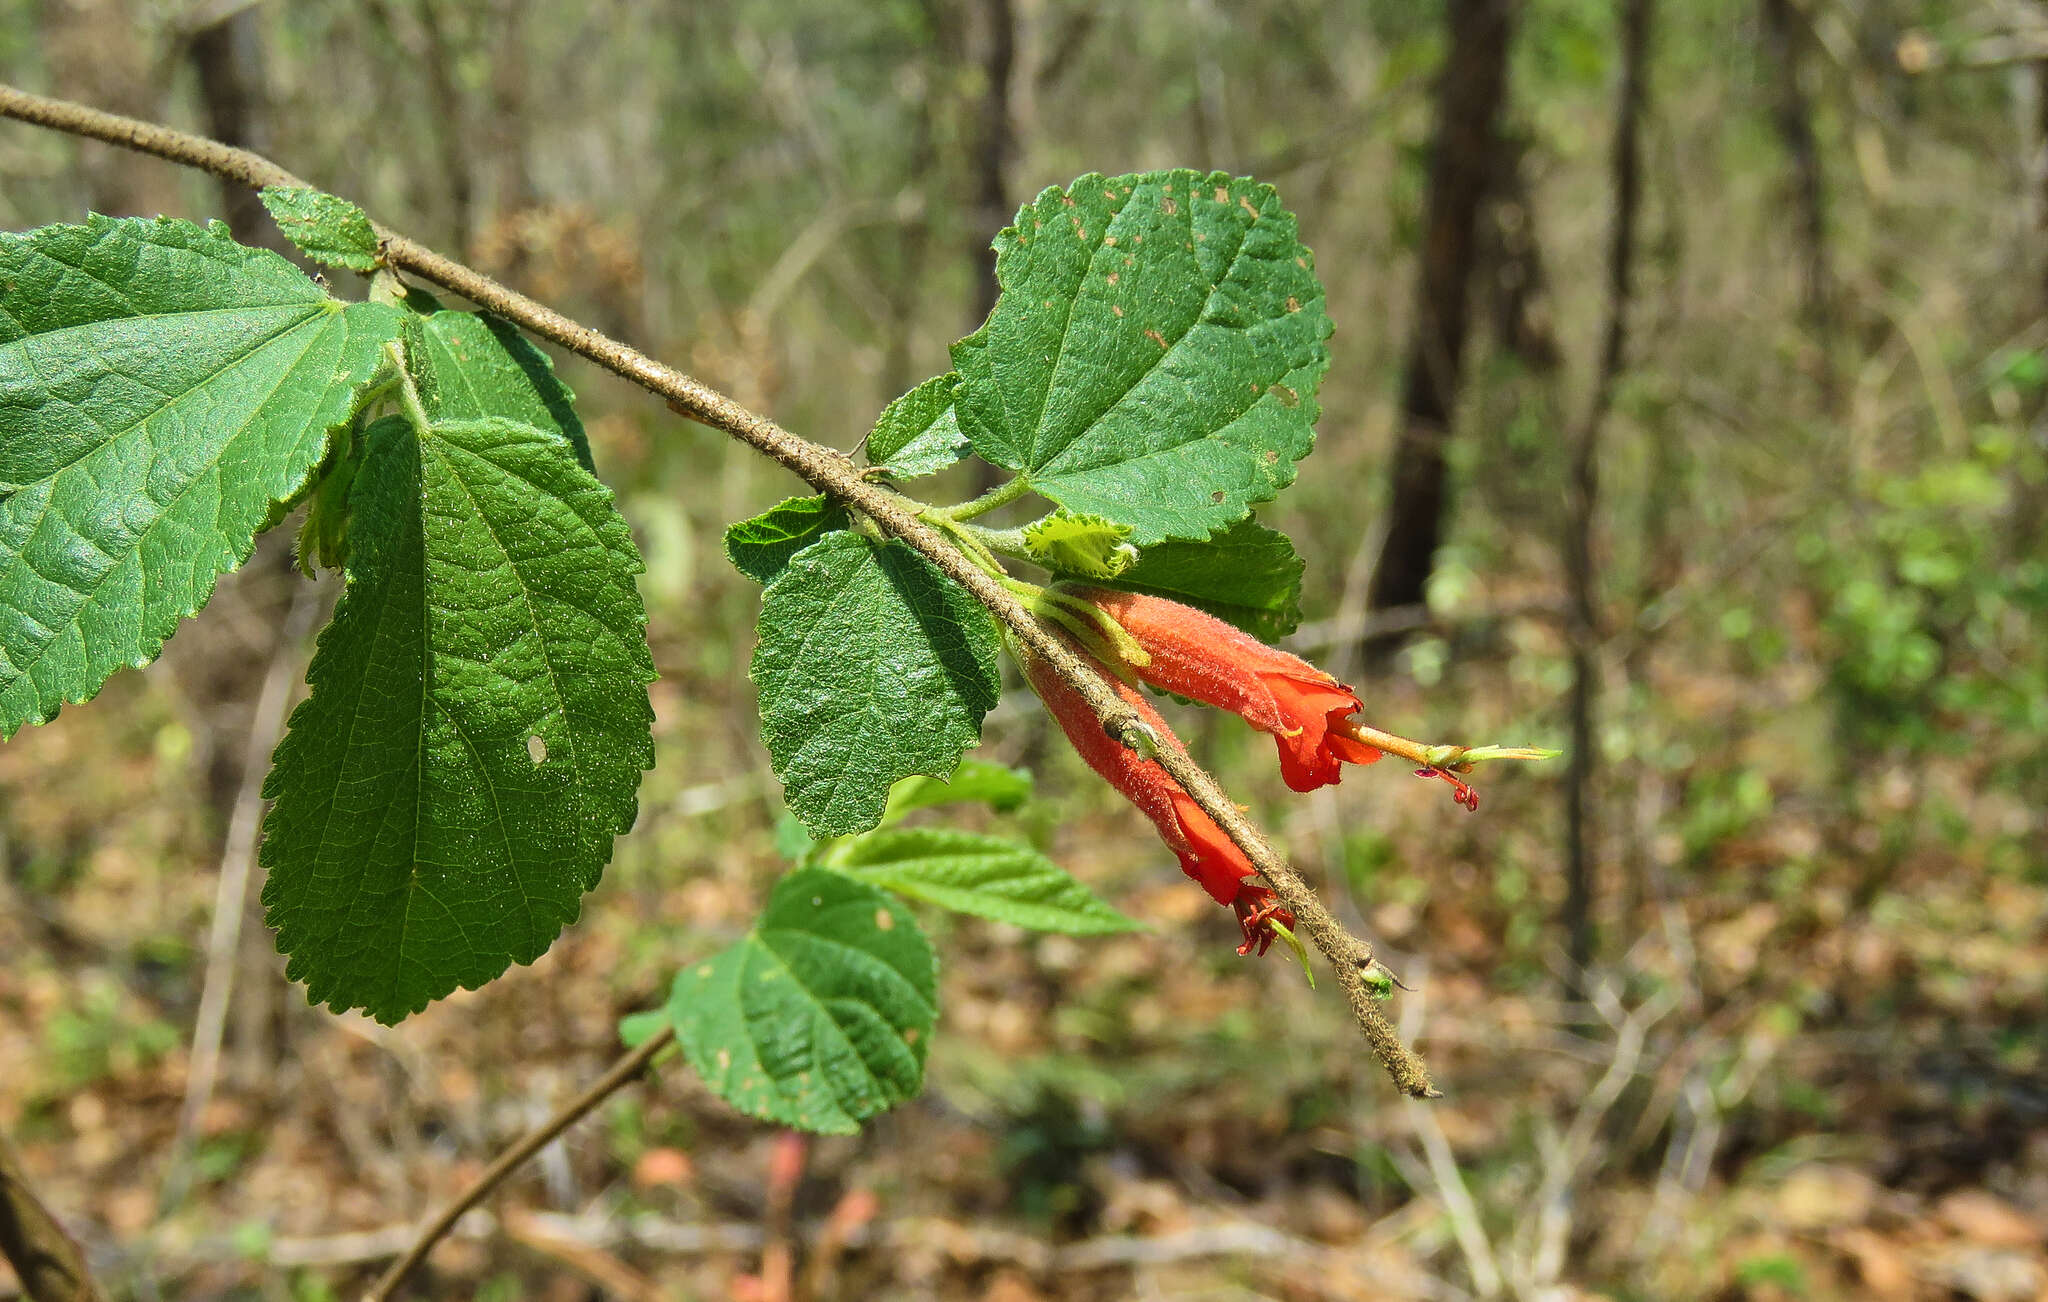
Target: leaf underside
(871,667)
(982,875)
(325,227)
(918,434)
(161,388)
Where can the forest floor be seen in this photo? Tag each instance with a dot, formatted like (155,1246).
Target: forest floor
(1817,1071)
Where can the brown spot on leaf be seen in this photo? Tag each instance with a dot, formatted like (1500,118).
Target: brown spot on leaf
(1156,337)
(1244,202)
(1287,396)
(725,1060)
(1222,194)
(1217,497)
(1112,277)
(1169,207)
(1067,199)
(1116,308)
(1271,456)
(1293,303)
(1109,241)
(884,920)
(910,1035)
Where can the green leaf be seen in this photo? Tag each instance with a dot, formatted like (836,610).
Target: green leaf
(998,786)
(478,722)
(1085,545)
(918,433)
(792,841)
(1155,354)
(821,1016)
(1248,575)
(983,875)
(472,367)
(636,1029)
(162,388)
(871,667)
(759,548)
(326,227)
(323,536)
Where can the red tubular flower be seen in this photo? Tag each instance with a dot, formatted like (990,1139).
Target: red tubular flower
(1200,657)
(1206,853)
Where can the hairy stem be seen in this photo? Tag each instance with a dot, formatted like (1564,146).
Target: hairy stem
(830,472)
(1001,495)
(621,1074)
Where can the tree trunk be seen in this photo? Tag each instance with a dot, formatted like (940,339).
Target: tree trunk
(1784,47)
(1469,94)
(228,58)
(996,140)
(1582,489)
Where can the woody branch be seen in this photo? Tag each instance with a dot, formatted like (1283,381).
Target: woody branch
(825,469)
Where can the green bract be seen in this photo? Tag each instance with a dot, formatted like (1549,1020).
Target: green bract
(1155,353)
(871,667)
(1248,575)
(821,1016)
(1085,545)
(161,388)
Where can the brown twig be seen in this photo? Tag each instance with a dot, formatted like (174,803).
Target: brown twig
(47,1261)
(230,900)
(622,1073)
(825,469)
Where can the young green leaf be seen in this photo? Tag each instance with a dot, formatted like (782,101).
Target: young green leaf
(1155,354)
(792,841)
(871,667)
(821,1016)
(326,227)
(636,1029)
(759,548)
(1248,575)
(161,389)
(473,366)
(1087,546)
(983,875)
(998,786)
(918,433)
(478,723)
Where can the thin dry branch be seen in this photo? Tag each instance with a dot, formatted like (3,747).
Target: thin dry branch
(622,1073)
(825,469)
(47,1261)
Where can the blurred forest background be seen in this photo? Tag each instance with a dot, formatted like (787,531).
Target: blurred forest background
(1747,999)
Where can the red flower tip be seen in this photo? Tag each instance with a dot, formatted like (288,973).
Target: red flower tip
(1257,910)
(1461,791)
